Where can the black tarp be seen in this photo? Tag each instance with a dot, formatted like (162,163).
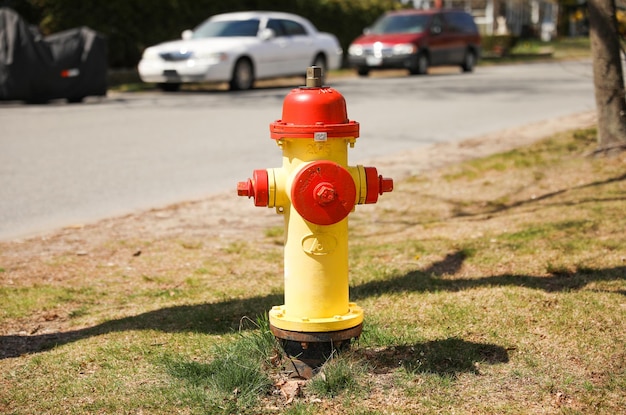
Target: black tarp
(71,64)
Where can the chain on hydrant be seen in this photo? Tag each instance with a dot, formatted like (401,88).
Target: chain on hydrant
(315,190)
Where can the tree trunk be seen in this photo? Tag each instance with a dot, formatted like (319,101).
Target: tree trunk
(607,75)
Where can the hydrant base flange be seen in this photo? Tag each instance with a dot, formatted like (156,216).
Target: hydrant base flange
(317,337)
(281,319)
(309,351)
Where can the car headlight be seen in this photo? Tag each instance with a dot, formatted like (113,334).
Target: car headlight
(355,50)
(404,49)
(212,57)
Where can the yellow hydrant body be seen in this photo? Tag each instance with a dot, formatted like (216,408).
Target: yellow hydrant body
(315,190)
(316,255)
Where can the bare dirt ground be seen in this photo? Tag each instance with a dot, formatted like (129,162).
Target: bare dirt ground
(221,219)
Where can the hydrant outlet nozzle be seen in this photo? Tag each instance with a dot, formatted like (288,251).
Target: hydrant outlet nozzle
(384,184)
(257,188)
(245,188)
(376,184)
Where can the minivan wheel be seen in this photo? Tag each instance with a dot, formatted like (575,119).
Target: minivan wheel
(469,61)
(243,75)
(420,66)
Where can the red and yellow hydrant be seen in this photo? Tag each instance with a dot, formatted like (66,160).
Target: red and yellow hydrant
(315,190)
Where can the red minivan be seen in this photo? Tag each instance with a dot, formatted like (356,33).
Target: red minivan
(416,39)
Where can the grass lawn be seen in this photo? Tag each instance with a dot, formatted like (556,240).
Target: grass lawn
(494,286)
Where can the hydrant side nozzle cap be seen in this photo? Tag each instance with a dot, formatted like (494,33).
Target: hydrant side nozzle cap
(376,185)
(372,184)
(323,192)
(385,184)
(260,180)
(257,188)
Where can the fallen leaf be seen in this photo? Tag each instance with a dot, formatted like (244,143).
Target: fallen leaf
(291,389)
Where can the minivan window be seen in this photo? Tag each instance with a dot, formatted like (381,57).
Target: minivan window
(400,24)
(437,26)
(461,22)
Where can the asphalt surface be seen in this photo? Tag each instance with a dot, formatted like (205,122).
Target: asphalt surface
(66,164)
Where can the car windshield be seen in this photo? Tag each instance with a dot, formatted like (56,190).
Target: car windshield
(227,28)
(401,23)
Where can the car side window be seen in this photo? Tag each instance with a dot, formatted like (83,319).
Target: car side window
(467,24)
(437,24)
(293,28)
(461,22)
(454,23)
(277,27)
(241,28)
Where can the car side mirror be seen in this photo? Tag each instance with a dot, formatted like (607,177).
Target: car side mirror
(187,34)
(267,34)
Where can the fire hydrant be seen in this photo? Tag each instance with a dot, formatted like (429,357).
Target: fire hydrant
(315,190)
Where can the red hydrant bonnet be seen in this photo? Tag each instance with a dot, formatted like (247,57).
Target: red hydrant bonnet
(309,112)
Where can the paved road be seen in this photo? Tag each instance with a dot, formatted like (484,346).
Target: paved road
(64,164)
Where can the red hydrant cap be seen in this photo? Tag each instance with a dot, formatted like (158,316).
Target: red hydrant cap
(376,185)
(307,111)
(257,187)
(323,192)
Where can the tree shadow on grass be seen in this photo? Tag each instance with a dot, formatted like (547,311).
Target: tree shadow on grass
(446,357)
(430,280)
(224,317)
(478,209)
(210,318)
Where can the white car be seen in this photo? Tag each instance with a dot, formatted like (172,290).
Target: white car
(239,48)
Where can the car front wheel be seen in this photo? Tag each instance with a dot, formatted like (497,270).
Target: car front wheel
(420,66)
(469,62)
(169,86)
(243,75)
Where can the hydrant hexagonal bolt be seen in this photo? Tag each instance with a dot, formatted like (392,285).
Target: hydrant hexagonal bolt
(325,193)
(315,190)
